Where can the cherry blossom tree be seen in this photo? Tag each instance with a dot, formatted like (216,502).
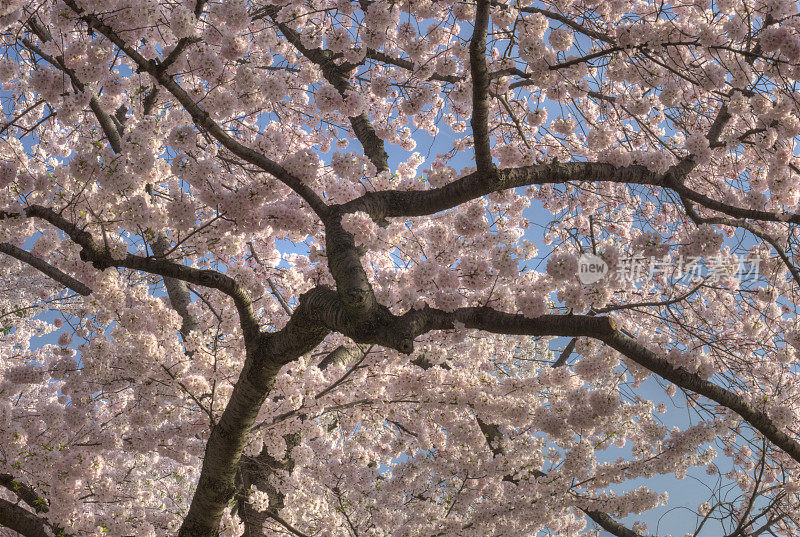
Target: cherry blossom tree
(428,359)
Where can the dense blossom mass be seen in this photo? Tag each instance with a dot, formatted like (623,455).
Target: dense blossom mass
(399,268)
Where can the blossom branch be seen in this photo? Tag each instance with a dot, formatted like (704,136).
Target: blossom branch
(693,382)
(372,54)
(686,84)
(793,270)
(602,329)
(176,289)
(409,66)
(272,287)
(493,439)
(184,42)
(102,259)
(337,76)
(105,121)
(200,117)
(650,303)
(600,36)
(320,311)
(13,121)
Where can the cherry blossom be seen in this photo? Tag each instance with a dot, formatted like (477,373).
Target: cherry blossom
(312,268)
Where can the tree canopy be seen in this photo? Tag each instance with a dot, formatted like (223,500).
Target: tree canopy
(398,268)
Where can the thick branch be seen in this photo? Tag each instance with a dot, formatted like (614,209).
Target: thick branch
(22,521)
(24,492)
(45,268)
(380,327)
(731,210)
(352,284)
(611,525)
(177,290)
(397,203)
(224,448)
(404,203)
(341,355)
(565,354)
(257,471)
(480,88)
(693,382)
